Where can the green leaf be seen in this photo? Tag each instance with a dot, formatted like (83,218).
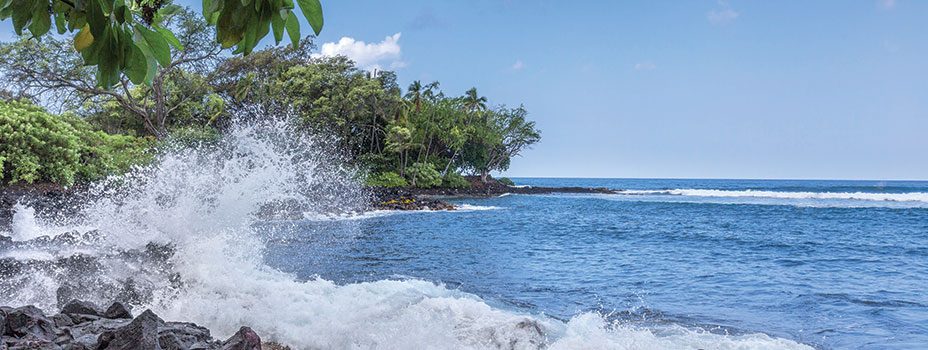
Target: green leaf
(119,11)
(157,44)
(278,24)
(312,10)
(41,20)
(96,19)
(136,64)
(106,6)
(293,29)
(231,24)
(22,13)
(171,39)
(61,23)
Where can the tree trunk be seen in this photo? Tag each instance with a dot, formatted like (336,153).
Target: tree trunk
(483,175)
(445,172)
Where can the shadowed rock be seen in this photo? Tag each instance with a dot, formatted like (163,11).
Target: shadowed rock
(244,339)
(80,307)
(28,322)
(118,310)
(140,334)
(77,328)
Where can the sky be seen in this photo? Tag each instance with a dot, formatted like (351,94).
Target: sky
(670,89)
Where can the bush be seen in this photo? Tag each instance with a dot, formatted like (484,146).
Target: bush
(506,181)
(425,173)
(455,180)
(36,146)
(386,179)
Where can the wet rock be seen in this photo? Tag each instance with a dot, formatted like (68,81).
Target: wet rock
(118,310)
(80,307)
(77,329)
(244,339)
(140,334)
(29,323)
(183,336)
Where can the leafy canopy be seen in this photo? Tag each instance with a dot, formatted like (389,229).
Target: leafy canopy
(129,36)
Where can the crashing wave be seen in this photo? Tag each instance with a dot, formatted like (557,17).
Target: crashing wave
(180,238)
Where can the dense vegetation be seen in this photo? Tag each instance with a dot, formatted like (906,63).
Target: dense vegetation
(418,137)
(36,146)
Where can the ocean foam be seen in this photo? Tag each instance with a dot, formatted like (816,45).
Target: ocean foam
(863,196)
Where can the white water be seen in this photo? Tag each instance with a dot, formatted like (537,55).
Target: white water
(864,196)
(204,203)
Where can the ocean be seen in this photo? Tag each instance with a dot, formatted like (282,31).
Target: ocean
(829,264)
(664,264)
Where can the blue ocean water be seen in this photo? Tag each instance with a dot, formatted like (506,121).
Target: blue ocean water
(831,264)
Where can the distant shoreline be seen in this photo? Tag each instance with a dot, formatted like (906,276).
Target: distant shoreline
(412,198)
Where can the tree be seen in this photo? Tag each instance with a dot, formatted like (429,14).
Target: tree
(501,135)
(131,39)
(50,67)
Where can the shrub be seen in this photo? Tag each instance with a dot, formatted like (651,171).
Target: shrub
(36,146)
(455,180)
(506,181)
(426,175)
(386,179)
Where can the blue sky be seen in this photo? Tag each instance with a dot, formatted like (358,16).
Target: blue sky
(703,89)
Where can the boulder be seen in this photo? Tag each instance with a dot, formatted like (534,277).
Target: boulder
(28,322)
(185,336)
(118,310)
(140,334)
(80,307)
(244,339)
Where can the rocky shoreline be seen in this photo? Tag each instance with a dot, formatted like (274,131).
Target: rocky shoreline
(83,326)
(59,200)
(411,198)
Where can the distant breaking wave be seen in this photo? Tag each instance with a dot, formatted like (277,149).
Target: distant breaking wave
(864,196)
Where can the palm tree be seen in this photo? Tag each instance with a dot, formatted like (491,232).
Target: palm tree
(415,94)
(474,102)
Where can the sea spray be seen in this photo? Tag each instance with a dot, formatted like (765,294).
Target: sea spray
(182,237)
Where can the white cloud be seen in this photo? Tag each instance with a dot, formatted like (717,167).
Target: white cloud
(887,4)
(646,65)
(724,15)
(518,65)
(368,56)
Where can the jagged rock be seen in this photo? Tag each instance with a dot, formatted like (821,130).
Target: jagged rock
(140,334)
(62,320)
(75,328)
(184,336)
(28,322)
(80,307)
(244,339)
(118,310)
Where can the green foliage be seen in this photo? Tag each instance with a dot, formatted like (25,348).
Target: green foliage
(104,154)
(455,180)
(36,146)
(386,179)
(129,37)
(506,181)
(424,175)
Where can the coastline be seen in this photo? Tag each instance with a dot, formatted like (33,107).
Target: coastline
(414,198)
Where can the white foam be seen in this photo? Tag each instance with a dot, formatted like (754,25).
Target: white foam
(25,226)
(863,196)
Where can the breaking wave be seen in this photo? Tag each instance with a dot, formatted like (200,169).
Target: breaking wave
(862,196)
(180,237)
